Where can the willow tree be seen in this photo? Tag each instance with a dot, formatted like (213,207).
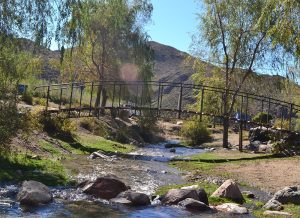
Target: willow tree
(38,21)
(236,39)
(110,32)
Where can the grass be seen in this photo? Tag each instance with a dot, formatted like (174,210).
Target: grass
(207,163)
(48,169)
(24,167)
(96,143)
(289,208)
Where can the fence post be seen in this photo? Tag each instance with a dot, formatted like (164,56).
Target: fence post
(158,98)
(80,101)
(113,96)
(290,117)
(241,126)
(91,99)
(269,107)
(201,103)
(71,97)
(180,102)
(60,97)
(48,96)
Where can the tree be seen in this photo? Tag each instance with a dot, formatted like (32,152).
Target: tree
(110,32)
(34,20)
(237,40)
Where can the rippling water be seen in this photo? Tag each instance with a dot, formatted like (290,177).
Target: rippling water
(141,174)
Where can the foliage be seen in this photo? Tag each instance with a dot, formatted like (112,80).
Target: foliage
(57,125)
(109,33)
(27,98)
(195,131)
(22,167)
(281,124)
(148,121)
(234,35)
(262,117)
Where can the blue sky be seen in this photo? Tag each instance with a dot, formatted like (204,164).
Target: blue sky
(174,22)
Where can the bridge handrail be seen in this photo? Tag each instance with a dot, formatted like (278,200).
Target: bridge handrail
(177,84)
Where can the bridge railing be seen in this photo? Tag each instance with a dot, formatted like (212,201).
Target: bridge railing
(164,99)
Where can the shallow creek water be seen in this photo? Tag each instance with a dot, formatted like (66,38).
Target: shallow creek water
(143,170)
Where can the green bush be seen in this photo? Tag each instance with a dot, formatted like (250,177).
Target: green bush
(278,123)
(88,124)
(262,117)
(57,124)
(195,131)
(148,121)
(40,101)
(27,98)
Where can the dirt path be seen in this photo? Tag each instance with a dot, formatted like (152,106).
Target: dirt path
(270,175)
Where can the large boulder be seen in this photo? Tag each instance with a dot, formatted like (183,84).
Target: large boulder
(174,196)
(230,190)
(273,205)
(107,187)
(202,196)
(192,204)
(288,195)
(232,208)
(137,199)
(33,193)
(261,134)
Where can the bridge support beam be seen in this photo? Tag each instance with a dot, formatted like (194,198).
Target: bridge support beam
(241,136)
(180,102)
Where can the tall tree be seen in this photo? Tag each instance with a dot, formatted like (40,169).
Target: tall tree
(236,39)
(109,32)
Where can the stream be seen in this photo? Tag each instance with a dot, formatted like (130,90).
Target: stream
(144,170)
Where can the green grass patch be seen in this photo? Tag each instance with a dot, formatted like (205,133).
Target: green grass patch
(24,167)
(48,147)
(290,208)
(94,143)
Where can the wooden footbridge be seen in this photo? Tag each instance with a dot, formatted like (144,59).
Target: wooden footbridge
(164,100)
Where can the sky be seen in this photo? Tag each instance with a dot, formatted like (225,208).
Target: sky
(174,22)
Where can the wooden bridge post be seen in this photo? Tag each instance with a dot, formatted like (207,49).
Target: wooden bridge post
(91,98)
(246,112)
(201,103)
(180,102)
(241,122)
(48,96)
(80,101)
(268,113)
(161,97)
(136,98)
(113,95)
(158,98)
(290,117)
(262,110)
(60,97)
(71,97)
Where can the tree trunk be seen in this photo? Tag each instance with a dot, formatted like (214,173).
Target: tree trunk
(98,97)
(225,120)
(104,100)
(225,131)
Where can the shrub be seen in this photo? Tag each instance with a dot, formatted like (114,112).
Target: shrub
(262,117)
(88,124)
(27,98)
(148,121)
(195,131)
(278,123)
(57,124)
(40,101)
